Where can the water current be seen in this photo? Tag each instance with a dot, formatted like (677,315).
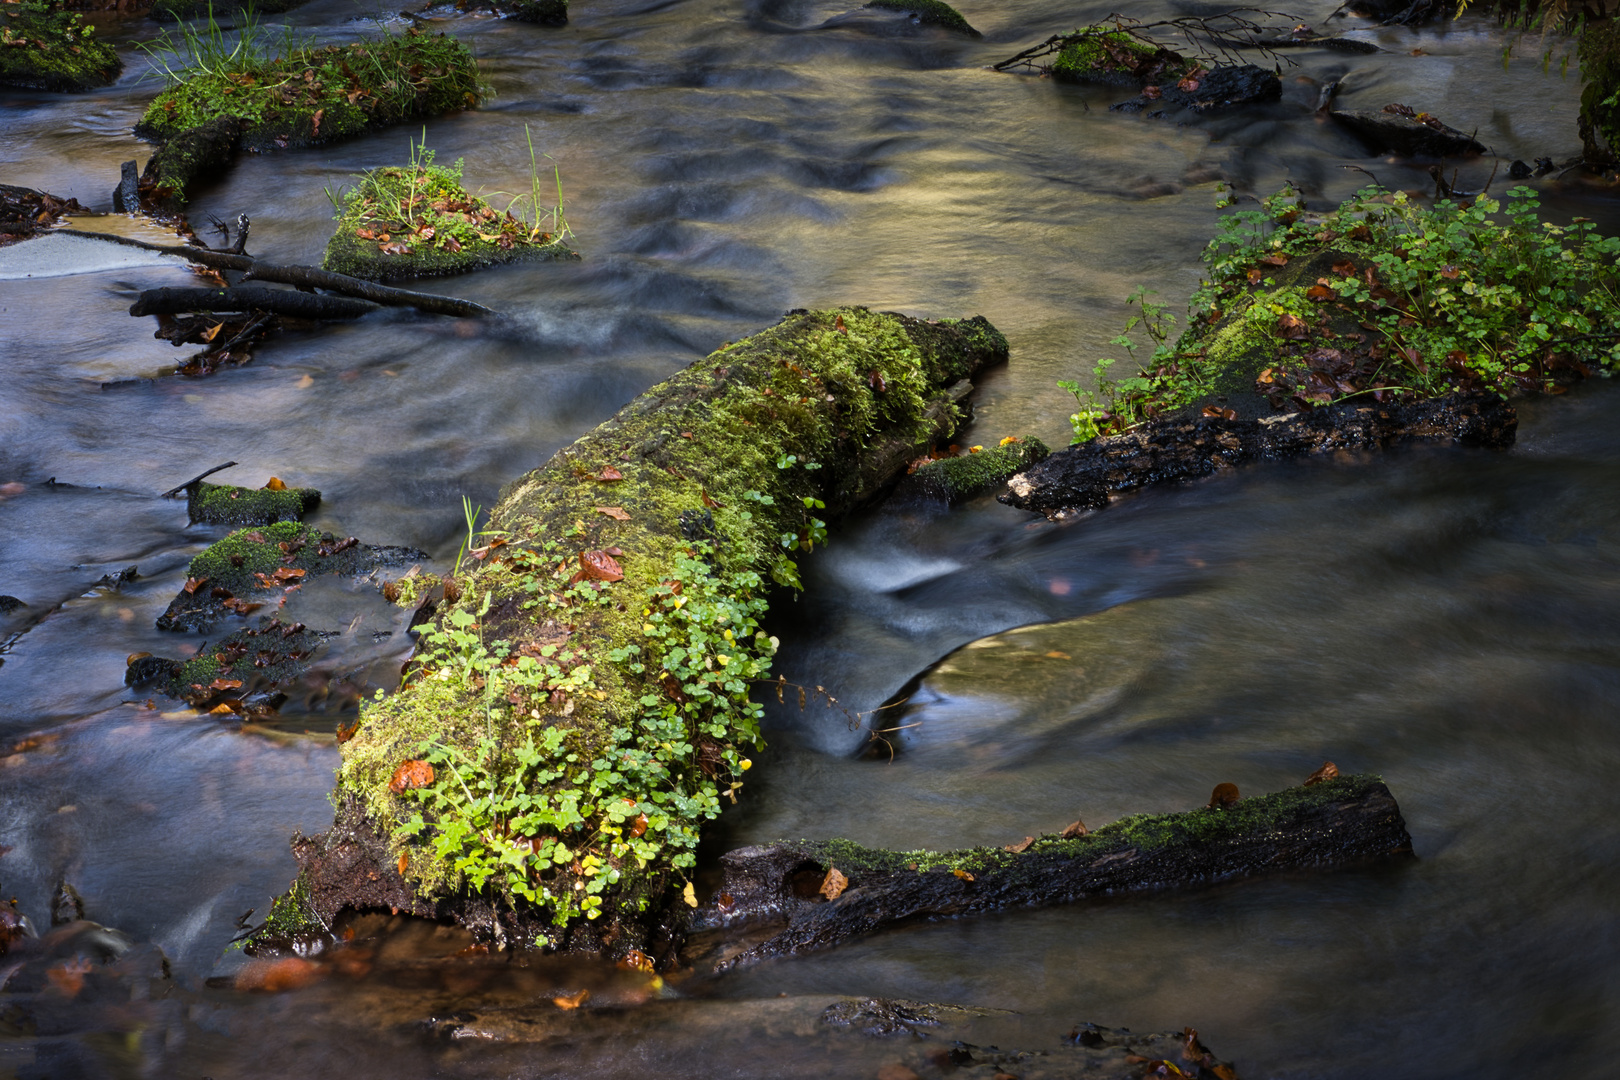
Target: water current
(1447,618)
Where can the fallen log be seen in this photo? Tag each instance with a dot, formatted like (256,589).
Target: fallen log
(1399,129)
(1087,476)
(289,302)
(303,276)
(579,703)
(1335,821)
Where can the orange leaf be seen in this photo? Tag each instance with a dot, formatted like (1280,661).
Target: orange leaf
(963,874)
(636,960)
(834,884)
(275,484)
(1022,845)
(617,513)
(1320,292)
(288,573)
(609,475)
(344,734)
(1254,275)
(599,566)
(193,584)
(710,501)
(404,861)
(572,1001)
(1074,829)
(1223,796)
(225,684)
(412,774)
(638,827)
(1327,772)
(1450,273)
(1275,259)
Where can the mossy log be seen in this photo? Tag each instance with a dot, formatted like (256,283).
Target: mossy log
(1341,820)
(960,477)
(227,504)
(45,47)
(1087,476)
(593,672)
(195,153)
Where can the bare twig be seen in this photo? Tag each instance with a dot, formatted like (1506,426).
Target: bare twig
(1359,169)
(172,492)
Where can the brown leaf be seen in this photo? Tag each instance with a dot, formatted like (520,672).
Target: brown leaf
(404,861)
(876,381)
(241,607)
(599,566)
(1345,268)
(617,513)
(344,734)
(1223,1072)
(1276,258)
(1022,845)
(225,684)
(1218,413)
(1450,273)
(636,960)
(1292,326)
(1152,93)
(1223,796)
(638,826)
(193,584)
(572,1001)
(275,484)
(608,475)
(963,874)
(412,774)
(838,325)
(1320,292)
(452,245)
(1327,772)
(1254,275)
(288,573)
(834,884)
(1075,829)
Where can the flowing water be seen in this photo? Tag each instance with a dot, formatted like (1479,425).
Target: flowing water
(1447,618)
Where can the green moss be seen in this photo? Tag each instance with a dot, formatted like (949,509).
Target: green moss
(643,684)
(540,12)
(226,504)
(1143,832)
(420,221)
(966,475)
(929,12)
(45,47)
(290,922)
(260,658)
(1101,54)
(319,95)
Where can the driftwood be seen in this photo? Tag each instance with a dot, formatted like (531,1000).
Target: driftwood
(303,276)
(1085,477)
(829,892)
(289,302)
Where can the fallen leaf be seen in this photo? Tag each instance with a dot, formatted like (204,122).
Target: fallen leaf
(1292,326)
(689,894)
(1327,772)
(275,484)
(1345,268)
(288,573)
(834,884)
(306,382)
(404,861)
(1450,273)
(609,475)
(412,774)
(599,566)
(1215,412)
(710,501)
(1075,829)
(225,684)
(838,325)
(1022,845)
(1009,440)
(963,874)
(897,1072)
(1223,796)
(1254,275)
(617,513)
(67,978)
(636,960)
(344,734)
(1152,93)
(275,976)
(1275,259)
(193,584)
(1320,292)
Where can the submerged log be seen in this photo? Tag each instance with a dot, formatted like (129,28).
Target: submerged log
(1335,821)
(1087,476)
(1400,129)
(290,302)
(579,704)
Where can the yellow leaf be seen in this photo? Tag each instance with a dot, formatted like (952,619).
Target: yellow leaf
(615,512)
(275,484)
(689,894)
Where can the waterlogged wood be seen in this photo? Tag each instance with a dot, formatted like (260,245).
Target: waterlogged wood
(288,302)
(1332,822)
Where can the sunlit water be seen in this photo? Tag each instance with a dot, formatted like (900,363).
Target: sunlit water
(1446,618)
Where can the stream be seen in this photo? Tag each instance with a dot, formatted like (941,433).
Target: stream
(1447,618)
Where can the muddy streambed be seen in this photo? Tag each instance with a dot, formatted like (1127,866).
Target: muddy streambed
(1446,618)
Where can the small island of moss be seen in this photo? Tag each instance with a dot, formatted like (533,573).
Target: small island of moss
(930,13)
(43,46)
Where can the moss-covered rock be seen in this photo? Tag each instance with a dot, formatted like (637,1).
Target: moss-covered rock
(226,504)
(1102,54)
(419,221)
(249,568)
(929,13)
(965,475)
(243,674)
(593,672)
(45,47)
(195,153)
(319,95)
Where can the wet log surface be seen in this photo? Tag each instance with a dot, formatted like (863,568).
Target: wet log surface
(1087,476)
(289,302)
(1343,820)
(1397,129)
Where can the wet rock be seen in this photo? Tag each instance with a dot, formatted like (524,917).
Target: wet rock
(226,504)
(1208,91)
(118,580)
(929,13)
(539,12)
(144,670)
(66,905)
(194,154)
(895,1016)
(8,604)
(1338,821)
(956,479)
(126,197)
(244,674)
(1399,129)
(45,47)
(251,567)
(1087,476)
(1100,55)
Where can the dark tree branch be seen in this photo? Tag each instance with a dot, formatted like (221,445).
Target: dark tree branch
(298,305)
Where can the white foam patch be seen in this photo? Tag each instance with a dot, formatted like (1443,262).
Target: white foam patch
(54,255)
